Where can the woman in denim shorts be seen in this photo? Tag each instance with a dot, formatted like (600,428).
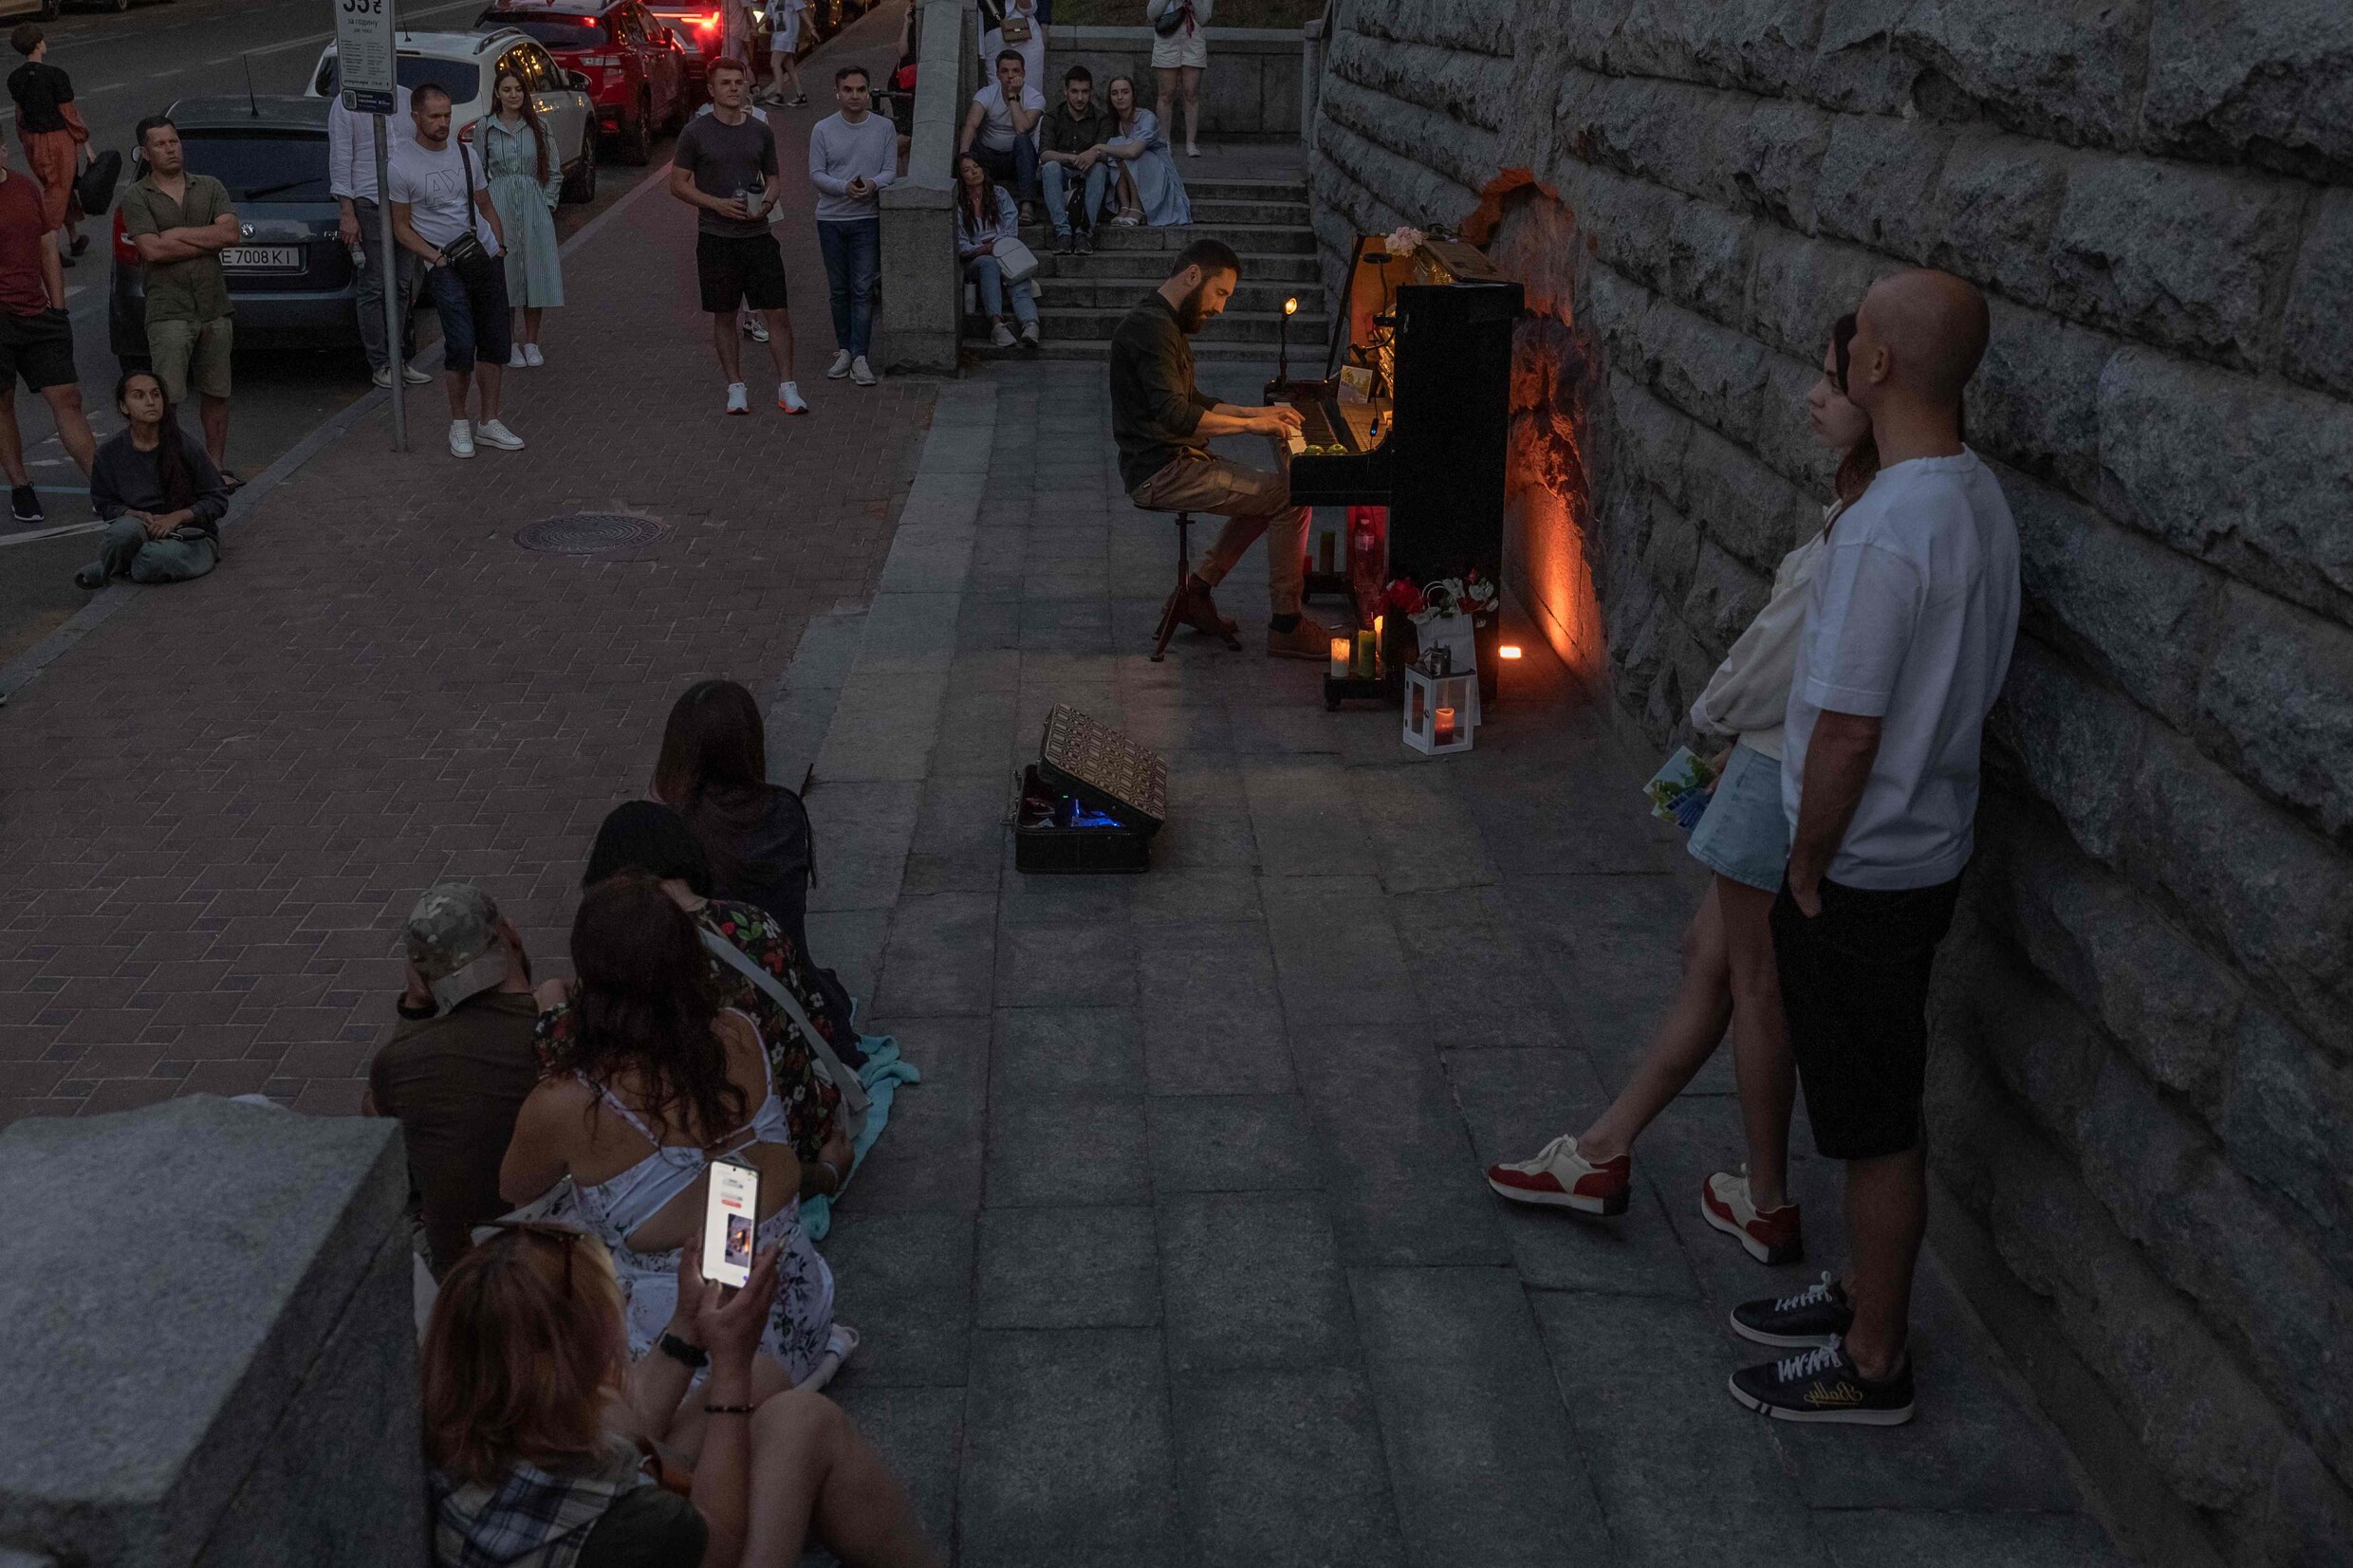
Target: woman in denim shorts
(1728,949)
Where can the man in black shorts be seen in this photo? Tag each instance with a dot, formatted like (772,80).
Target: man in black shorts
(725,168)
(36,340)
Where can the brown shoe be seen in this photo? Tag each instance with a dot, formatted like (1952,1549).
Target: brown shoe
(1199,610)
(1308,640)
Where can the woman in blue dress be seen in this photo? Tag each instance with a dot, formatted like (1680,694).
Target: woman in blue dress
(526,177)
(1151,191)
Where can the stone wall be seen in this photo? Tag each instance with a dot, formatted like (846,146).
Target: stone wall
(2144,1061)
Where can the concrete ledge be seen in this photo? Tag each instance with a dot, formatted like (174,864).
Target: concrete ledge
(1251,87)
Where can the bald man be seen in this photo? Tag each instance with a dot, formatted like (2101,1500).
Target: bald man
(1907,639)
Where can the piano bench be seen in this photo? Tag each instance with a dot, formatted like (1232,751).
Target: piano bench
(1172,613)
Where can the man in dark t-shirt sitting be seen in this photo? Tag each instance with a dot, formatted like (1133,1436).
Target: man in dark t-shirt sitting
(459,1066)
(1163,424)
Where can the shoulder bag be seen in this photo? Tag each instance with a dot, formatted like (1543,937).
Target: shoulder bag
(1015,259)
(1172,21)
(854,1097)
(466,255)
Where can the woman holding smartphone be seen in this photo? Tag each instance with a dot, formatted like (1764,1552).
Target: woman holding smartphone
(658,1084)
(540,1435)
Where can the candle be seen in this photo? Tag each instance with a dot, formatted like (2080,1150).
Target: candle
(1340,657)
(1446,727)
(1323,546)
(1509,650)
(1365,666)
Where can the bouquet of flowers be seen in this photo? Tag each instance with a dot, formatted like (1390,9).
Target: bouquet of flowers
(1402,599)
(1404,241)
(1448,596)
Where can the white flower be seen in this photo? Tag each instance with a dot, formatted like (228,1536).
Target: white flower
(1404,241)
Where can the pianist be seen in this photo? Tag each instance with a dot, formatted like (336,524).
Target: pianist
(1163,425)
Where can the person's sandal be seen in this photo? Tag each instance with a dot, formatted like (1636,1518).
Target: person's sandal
(1129,218)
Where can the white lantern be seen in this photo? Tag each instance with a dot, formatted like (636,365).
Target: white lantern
(1440,711)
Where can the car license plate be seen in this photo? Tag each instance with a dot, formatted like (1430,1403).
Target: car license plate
(263,258)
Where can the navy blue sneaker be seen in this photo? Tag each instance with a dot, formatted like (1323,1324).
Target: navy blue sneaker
(1822,1385)
(1815,1315)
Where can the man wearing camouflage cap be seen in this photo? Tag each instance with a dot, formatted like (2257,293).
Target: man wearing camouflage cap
(460,1061)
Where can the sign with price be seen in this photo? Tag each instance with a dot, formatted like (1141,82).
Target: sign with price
(363,54)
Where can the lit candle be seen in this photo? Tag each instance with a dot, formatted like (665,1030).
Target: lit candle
(1509,650)
(1340,656)
(1446,727)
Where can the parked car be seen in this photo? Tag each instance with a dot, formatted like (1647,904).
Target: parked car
(465,65)
(636,67)
(42,10)
(696,26)
(288,274)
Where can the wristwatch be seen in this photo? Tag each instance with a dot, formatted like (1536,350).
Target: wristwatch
(680,1351)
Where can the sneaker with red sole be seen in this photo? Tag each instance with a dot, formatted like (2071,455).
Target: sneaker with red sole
(1770,1236)
(1558,1177)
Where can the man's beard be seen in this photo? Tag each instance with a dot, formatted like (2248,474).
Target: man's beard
(1189,317)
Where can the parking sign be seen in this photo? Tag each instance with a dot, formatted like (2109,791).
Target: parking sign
(363,54)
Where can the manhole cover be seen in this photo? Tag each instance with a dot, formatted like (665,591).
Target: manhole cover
(590,533)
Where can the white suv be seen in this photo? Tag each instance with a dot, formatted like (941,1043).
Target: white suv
(467,65)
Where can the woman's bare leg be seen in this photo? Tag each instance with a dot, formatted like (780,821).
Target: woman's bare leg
(1165,78)
(1762,1064)
(1193,106)
(811,1468)
(1684,1041)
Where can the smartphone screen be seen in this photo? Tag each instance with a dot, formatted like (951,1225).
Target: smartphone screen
(730,1217)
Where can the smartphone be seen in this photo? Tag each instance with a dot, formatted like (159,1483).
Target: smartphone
(731,1221)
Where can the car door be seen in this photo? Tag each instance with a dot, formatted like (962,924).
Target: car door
(562,107)
(662,63)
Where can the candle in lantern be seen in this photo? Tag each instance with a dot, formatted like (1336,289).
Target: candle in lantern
(1445,726)
(1340,658)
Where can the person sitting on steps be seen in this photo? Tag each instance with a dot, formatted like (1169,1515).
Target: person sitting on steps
(158,494)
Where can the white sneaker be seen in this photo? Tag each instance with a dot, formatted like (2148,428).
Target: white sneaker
(414,376)
(1001,335)
(1560,1178)
(755,329)
(532,357)
(841,365)
(461,438)
(738,397)
(514,358)
(1028,334)
(382,376)
(860,372)
(492,433)
(789,399)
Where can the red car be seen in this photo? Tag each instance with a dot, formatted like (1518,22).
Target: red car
(638,75)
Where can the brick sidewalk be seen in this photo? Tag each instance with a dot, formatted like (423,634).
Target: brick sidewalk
(216,808)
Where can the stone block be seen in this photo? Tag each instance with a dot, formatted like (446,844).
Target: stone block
(1803,286)
(2074,742)
(904,1281)
(1856,67)
(1993,207)
(1048,1150)
(1725,595)
(1052,1268)
(1211,1011)
(1067,965)
(1233,1143)
(1873,176)
(2035,399)
(240,1380)
(1482,985)
(1744,506)
(1251,1279)
(2193,260)
(1708,260)
(2248,474)
(1937,1538)
(932,1155)
(2267,83)
(1283,1467)
(940,957)
(1305,821)
(1772,157)
(2068,72)
(2276,704)
(1648,438)
(1067,1458)
(2283,1124)
(2316,343)
(1067,1050)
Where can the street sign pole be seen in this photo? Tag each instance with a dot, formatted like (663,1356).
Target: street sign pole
(367,70)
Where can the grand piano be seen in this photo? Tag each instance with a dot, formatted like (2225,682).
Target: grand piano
(1417,387)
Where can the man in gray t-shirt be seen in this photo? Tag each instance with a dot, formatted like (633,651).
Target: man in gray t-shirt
(725,168)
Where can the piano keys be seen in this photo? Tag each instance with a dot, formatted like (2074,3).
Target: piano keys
(1417,389)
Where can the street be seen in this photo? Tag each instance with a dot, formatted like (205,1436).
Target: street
(125,66)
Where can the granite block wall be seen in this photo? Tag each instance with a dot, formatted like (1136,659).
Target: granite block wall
(2144,1043)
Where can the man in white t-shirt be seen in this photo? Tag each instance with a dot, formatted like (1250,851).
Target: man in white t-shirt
(1001,131)
(428,180)
(1907,640)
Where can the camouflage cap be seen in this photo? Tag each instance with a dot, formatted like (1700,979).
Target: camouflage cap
(453,924)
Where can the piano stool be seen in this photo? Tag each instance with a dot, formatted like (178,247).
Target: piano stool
(1169,610)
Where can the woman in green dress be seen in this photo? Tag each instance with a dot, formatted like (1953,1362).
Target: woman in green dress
(525,179)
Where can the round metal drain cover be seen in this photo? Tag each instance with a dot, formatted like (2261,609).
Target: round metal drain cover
(590,533)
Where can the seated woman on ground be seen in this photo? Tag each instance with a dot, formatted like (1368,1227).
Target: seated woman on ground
(1151,191)
(660,1083)
(654,841)
(984,221)
(158,492)
(540,1433)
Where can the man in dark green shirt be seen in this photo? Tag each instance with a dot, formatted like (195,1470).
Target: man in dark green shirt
(1072,151)
(179,222)
(1164,426)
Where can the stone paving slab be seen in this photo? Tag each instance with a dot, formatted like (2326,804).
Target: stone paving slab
(1193,1185)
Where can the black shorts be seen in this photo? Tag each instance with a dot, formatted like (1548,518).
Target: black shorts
(750,270)
(39,348)
(1854,982)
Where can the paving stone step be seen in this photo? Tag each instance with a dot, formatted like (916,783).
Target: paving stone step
(1247,239)
(1292,191)
(1068,323)
(1079,286)
(975,343)
(1220,215)
(1152,266)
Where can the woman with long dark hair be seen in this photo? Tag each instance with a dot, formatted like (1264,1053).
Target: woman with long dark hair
(545,1443)
(1152,193)
(660,1084)
(986,218)
(158,492)
(1729,975)
(525,182)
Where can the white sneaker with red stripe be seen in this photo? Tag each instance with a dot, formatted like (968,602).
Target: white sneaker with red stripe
(1771,1236)
(1558,1177)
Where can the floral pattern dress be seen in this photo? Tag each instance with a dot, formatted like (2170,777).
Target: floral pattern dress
(809,1100)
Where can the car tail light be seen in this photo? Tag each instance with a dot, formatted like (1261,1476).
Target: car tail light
(709,23)
(600,62)
(465,132)
(126,254)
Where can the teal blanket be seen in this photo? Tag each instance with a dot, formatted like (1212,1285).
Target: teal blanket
(884,1071)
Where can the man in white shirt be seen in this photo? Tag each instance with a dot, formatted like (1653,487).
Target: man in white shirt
(459,240)
(852,155)
(1000,131)
(351,180)
(1907,640)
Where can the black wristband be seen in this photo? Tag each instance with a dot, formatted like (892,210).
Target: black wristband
(400,1006)
(686,1355)
(729,1409)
